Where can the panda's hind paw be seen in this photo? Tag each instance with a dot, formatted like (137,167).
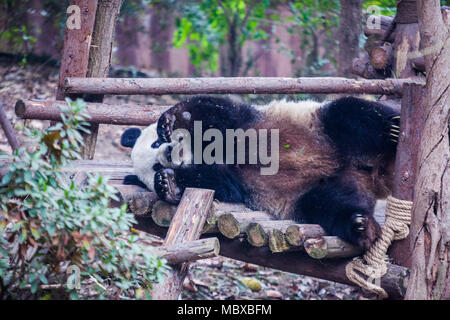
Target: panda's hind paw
(166,187)
(365,229)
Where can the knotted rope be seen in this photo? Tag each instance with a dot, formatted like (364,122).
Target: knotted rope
(373,264)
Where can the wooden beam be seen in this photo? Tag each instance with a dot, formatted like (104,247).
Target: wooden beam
(122,114)
(100,60)
(219,85)
(77,42)
(186,225)
(394,282)
(189,251)
(411,126)
(330,248)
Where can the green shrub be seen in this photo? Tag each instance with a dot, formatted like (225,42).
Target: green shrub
(49,226)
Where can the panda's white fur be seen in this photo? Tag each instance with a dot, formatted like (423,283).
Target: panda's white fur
(299,112)
(144,156)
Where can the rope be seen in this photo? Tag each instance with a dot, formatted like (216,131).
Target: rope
(373,264)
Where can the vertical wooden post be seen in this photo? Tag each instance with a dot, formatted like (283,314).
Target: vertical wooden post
(186,225)
(77,42)
(100,59)
(429,238)
(411,126)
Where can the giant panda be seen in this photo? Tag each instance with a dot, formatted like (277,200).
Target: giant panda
(335,159)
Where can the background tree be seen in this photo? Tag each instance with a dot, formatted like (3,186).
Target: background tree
(349,34)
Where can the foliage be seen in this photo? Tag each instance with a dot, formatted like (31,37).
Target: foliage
(48,224)
(18,30)
(315,20)
(206,25)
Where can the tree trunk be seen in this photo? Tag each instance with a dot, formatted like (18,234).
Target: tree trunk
(430,276)
(349,32)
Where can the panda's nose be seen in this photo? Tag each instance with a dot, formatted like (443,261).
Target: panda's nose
(156,144)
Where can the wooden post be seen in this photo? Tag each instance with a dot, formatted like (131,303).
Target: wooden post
(186,225)
(77,42)
(100,59)
(411,125)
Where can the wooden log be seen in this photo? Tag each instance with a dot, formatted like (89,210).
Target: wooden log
(329,248)
(8,129)
(163,213)
(258,232)
(122,114)
(141,203)
(296,234)
(189,251)
(407,40)
(394,282)
(186,225)
(234,224)
(237,85)
(373,28)
(362,67)
(381,56)
(277,241)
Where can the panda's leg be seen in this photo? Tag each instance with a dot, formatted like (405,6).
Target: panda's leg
(132,179)
(359,127)
(170,183)
(341,210)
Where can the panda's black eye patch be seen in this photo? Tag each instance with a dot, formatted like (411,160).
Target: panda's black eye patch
(156,144)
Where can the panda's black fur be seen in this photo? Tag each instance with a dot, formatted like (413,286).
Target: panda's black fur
(346,161)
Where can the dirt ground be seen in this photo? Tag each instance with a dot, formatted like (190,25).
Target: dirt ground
(218,278)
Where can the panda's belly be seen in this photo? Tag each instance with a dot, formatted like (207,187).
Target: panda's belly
(305,157)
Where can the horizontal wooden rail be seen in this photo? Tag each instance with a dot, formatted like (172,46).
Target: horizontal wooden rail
(238,85)
(123,114)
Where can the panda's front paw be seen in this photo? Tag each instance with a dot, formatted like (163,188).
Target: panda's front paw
(365,230)
(165,127)
(166,187)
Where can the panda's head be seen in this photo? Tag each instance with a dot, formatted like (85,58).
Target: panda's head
(145,152)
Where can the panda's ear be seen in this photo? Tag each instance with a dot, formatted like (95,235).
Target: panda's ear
(129,137)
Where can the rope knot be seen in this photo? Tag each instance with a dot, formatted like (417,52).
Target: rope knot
(373,265)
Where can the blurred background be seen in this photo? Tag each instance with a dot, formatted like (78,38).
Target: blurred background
(204,38)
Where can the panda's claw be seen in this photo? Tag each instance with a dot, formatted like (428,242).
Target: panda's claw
(366,229)
(166,130)
(166,187)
